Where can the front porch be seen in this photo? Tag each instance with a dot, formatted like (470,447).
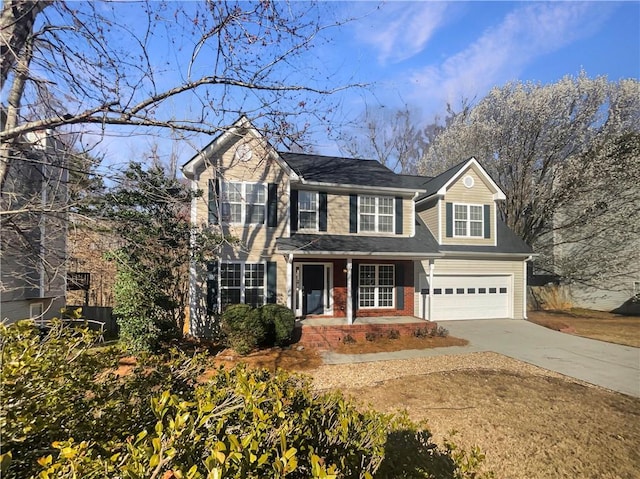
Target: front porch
(326,333)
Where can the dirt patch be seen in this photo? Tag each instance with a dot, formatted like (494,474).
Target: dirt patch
(531,423)
(291,359)
(600,325)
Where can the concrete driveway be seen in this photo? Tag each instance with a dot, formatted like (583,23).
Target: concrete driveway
(608,365)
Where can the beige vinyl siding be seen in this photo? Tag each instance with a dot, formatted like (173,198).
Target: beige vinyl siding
(260,240)
(338,215)
(479,194)
(407,216)
(429,214)
(470,266)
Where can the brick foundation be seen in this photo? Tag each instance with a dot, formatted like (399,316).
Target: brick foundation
(327,337)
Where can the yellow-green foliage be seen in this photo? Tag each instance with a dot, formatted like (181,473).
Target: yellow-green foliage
(65,415)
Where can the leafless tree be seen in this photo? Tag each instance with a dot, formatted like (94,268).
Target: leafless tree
(391,136)
(179,70)
(109,64)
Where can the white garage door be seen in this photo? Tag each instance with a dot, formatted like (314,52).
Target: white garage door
(472,297)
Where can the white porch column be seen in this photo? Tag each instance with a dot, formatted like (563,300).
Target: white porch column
(349,297)
(432,266)
(289,280)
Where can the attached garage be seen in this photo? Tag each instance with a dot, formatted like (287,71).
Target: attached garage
(472,297)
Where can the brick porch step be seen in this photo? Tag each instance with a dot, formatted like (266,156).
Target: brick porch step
(329,336)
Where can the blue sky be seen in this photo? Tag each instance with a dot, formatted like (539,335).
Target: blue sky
(428,54)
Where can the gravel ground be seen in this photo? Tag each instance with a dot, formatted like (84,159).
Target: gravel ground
(341,376)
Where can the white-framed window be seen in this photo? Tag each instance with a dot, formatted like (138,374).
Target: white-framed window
(468,220)
(376,285)
(242,283)
(307,210)
(376,214)
(243,203)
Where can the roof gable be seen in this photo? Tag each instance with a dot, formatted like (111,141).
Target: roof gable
(237,132)
(439,185)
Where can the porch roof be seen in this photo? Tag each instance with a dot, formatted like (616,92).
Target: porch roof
(422,244)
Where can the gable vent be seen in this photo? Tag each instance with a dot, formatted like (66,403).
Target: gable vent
(468,181)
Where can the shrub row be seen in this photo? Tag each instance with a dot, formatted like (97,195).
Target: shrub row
(246,328)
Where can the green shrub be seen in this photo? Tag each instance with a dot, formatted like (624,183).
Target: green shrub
(279,322)
(65,414)
(242,327)
(55,386)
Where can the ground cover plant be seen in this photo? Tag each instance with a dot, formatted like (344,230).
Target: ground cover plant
(68,412)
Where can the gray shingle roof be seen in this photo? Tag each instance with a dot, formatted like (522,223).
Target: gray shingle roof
(437,182)
(423,243)
(347,171)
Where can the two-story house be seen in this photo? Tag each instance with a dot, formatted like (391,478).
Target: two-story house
(347,238)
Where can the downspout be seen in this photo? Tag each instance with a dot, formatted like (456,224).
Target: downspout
(432,266)
(413,214)
(289,259)
(525,291)
(193,274)
(349,289)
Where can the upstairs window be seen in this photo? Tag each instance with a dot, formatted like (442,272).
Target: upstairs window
(243,203)
(468,220)
(308,210)
(376,214)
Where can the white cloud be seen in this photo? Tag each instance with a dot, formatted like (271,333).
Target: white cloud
(400,30)
(502,53)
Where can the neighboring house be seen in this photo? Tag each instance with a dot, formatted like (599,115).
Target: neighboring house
(33,231)
(87,243)
(347,238)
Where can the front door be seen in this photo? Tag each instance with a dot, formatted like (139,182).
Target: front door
(312,289)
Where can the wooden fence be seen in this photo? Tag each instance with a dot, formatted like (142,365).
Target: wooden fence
(104,315)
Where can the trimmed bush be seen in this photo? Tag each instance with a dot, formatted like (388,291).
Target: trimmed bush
(279,322)
(242,327)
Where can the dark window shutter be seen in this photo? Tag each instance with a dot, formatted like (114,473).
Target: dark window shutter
(487,221)
(272,205)
(399,286)
(398,215)
(214,195)
(294,210)
(355,273)
(322,211)
(212,287)
(353,213)
(449,219)
(272,281)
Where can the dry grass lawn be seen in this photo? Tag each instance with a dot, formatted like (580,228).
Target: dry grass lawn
(531,423)
(529,426)
(604,326)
